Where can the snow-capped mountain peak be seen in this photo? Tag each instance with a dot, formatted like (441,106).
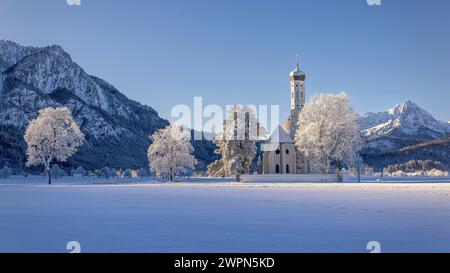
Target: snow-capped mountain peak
(405,120)
(407,107)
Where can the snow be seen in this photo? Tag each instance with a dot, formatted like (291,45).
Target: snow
(237,143)
(214,215)
(327,132)
(2,79)
(50,69)
(406,117)
(103,101)
(53,135)
(10,52)
(171,152)
(280,135)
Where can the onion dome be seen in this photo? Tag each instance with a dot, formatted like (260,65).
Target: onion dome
(297,74)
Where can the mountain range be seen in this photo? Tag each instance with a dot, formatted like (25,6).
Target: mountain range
(403,133)
(117,128)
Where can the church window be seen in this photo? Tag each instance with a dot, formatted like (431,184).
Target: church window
(277,168)
(287,169)
(277,152)
(287,152)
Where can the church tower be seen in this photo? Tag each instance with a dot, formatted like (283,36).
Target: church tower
(280,156)
(297,78)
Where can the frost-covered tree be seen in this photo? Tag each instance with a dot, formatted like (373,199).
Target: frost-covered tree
(328,132)
(80,171)
(105,172)
(171,152)
(369,171)
(53,135)
(5,172)
(57,172)
(141,172)
(113,173)
(413,166)
(127,173)
(216,168)
(237,143)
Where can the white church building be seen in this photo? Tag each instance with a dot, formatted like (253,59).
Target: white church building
(279,153)
(281,161)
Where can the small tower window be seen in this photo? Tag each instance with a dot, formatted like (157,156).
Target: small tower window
(277,168)
(287,169)
(287,152)
(277,152)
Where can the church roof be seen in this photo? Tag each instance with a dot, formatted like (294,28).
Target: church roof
(297,74)
(280,135)
(287,125)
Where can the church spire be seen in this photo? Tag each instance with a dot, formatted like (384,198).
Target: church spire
(296,61)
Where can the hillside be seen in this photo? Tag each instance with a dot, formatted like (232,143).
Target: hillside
(117,129)
(436,150)
(402,133)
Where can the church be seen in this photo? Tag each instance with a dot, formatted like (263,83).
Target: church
(279,153)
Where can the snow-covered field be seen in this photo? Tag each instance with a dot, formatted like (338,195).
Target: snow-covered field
(221,216)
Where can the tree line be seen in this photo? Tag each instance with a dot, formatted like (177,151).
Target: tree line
(327,136)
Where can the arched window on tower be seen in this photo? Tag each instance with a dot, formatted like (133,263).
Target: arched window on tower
(287,169)
(277,168)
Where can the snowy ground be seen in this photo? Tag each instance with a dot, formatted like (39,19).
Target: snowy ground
(221,216)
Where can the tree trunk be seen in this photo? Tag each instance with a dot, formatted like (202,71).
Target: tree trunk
(238,178)
(340,166)
(340,177)
(170,175)
(49,175)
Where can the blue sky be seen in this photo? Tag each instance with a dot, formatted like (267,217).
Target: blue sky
(163,53)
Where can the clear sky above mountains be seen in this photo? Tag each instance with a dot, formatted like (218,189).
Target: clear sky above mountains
(163,53)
